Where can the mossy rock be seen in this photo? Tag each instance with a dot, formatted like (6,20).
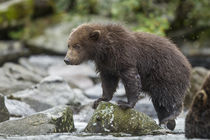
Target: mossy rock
(58,119)
(13,13)
(109,118)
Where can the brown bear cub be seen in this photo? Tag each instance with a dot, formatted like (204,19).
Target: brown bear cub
(197,123)
(143,61)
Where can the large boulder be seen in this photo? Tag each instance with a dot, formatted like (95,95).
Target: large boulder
(4,113)
(197,78)
(58,119)
(15,77)
(51,91)
(109,118)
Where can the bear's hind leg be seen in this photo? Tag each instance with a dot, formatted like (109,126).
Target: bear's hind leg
(166,115)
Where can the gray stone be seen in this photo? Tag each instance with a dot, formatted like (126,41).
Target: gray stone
(145,106)
(4,113)
(15,78)
(58,119)
(11,51)
(85,113)
(77,76)
(18,109)
(96,91)
(33,68)
(197,78)
(54,39)
(51,91)
(109,118)
(45,61)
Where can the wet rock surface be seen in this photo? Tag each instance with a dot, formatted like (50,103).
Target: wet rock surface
(15,77)
(109,118)
(48,41)
(58,119)
(11,51)
(51,91)
(4,113)
(18,109)
(77,76)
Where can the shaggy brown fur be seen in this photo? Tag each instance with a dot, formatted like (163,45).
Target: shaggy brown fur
(197,124)
(143,61)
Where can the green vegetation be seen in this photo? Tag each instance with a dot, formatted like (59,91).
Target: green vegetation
(179,19)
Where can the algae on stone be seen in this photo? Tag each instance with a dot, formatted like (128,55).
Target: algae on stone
(109,118)
(58,119)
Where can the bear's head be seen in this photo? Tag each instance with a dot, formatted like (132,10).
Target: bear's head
(202,98)
(81,44)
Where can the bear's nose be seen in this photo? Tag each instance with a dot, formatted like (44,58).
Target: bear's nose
(67,61)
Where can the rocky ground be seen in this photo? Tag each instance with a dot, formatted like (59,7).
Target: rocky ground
(42,98)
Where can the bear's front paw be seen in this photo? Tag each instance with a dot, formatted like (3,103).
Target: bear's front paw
(96,103)
(124,105)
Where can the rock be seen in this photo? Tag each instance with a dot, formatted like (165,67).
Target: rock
(77,76)
(96,91)
(109,118)
(4,113)
(197,78)
(58,119)
(85,113)
(18,109)
(33,68)
(45,61)
(11,51)
(145,106)
(15,78)
(53,40)
(51,91)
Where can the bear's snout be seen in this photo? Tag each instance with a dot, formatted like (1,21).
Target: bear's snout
(66,60)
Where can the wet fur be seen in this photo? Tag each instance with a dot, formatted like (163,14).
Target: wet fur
(143,61)
(197,124)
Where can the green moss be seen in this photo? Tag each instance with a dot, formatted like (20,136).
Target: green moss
(64,123)
(109,118)
(16,13)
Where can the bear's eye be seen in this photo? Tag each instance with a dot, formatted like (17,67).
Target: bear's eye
(68,46)
(76,46)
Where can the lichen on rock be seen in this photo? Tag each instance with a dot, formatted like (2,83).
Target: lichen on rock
(109,118)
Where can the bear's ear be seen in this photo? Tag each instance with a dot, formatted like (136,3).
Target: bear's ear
(94,35)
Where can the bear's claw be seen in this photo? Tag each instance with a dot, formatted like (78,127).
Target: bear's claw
(124,105)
